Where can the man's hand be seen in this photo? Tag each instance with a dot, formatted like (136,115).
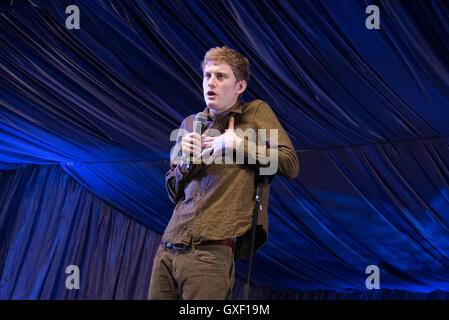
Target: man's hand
(191,145)
(218,145)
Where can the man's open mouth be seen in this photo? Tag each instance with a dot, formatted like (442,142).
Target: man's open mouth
(211,94)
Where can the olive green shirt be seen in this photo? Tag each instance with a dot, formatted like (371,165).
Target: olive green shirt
(216,201)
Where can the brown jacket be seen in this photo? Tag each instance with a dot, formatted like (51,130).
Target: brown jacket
(216,201)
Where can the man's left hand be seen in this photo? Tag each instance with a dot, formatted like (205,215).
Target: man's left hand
(218,145)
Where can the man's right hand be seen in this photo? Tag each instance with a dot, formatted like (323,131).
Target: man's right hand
(191,144)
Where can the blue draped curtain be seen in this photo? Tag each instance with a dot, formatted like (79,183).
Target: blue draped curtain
(367,111)
(48,222)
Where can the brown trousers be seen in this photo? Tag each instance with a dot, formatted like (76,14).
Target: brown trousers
(198,273)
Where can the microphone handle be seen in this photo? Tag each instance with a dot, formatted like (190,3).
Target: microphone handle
(190,164)
(197,127)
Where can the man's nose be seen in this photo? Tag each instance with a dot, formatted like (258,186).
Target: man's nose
(211,82)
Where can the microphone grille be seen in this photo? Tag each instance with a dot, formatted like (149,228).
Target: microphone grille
(201,117)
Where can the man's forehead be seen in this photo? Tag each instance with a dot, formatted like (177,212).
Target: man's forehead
(217,66)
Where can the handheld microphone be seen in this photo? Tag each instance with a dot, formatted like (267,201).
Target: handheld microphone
(200,119)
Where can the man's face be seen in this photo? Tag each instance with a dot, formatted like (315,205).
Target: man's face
(220,88)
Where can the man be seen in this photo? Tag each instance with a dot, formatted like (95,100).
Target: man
(211,223)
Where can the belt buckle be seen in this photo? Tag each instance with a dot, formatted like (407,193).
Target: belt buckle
(180,247)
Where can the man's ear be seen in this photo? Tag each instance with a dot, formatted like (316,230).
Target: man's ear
(242,86)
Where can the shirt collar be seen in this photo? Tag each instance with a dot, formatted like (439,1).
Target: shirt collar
(236,108)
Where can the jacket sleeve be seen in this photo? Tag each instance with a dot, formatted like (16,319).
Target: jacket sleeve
(277,151)
(178,174)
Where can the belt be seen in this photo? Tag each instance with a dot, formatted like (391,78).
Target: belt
(183,247)
(175,246)
(226,242)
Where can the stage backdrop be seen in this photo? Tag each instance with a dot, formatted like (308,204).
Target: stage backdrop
(91,110)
